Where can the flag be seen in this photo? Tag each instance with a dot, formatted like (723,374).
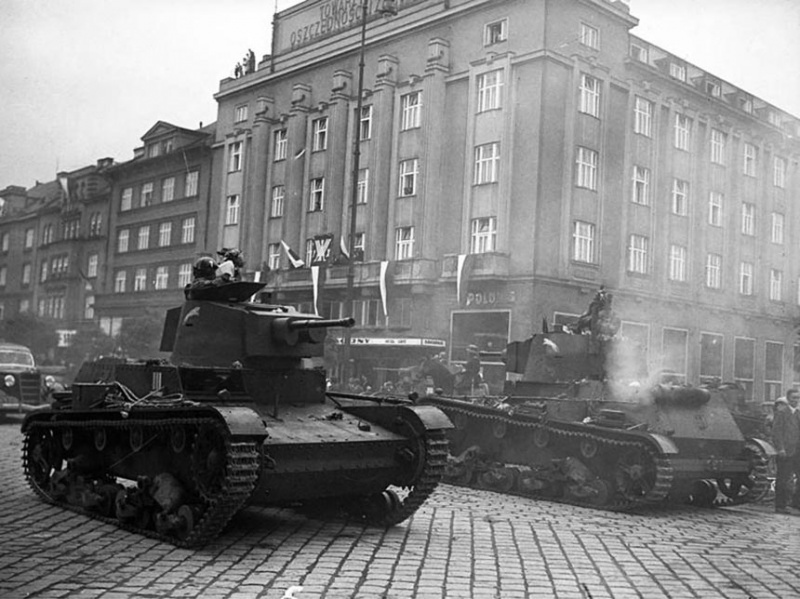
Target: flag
(321,248)
(294,259)
(300,154)
(315,283)
(465,262)
(343,248)
(383,282)
(64,182)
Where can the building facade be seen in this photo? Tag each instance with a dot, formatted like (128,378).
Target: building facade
(514,157)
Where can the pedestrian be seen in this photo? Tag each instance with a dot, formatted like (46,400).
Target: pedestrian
(786,438)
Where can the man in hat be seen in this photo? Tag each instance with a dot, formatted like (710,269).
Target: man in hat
(786,438)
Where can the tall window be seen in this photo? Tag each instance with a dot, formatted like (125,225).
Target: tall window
(677,263)
(590,95)
(122,240)
(641,185)
(404,243)
(363,185)
(187,230)
(586,168)
(319,134)
(309,257)
(5,242)
(775,285)
(643,117)
(316,198)
(715,208)
(776,233)
(673,352)
(91,265)
(274,256)
(410,109)
(276,201)
(190,186)
(746,278)
(590,36)
(779,172)
(144,237)
(365,123)
(495,32)
(637,253)
(408,177)
(95,224)
(126,201)
(487,163)
(710,356)
(773,370)
(680,197)
(88,308)
(583,236)
(744,363)
(235,157)
(483,236)
(147,194)
(120,280)
(748,218)
(713,271)
(29,235)
(162,277)
(232,210)
(43,271)
(240,113)
(140,279)
(184,274)
(26,273)
(750,158)
(281,142)
(164,234)
(168,189)
(490,87)
(718,139)
(682,128)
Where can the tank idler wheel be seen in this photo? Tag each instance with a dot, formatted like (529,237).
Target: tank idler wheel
(500,479)
(703,493)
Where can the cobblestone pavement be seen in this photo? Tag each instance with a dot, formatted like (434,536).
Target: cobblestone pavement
(461,543)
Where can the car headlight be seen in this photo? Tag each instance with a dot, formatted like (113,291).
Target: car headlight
(9,380)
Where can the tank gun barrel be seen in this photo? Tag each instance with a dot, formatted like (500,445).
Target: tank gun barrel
(309,323)
(291,330)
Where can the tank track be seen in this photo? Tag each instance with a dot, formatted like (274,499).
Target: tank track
(241,468)
(759,474)
(658,492)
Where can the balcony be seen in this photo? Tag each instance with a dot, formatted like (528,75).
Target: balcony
(486,265)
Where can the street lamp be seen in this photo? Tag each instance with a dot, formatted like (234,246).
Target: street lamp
(387,8)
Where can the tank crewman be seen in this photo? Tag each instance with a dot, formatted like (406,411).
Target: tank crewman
(786,438)
(51,385)
(230,264)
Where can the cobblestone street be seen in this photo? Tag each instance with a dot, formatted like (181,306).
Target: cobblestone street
(461,543)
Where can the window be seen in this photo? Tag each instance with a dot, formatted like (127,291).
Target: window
(281,143)
(363,185)
(276,201)
(70,229)
(586,168)
(710,357)
(744,363)
(637,254)
(639,52)
(5,242)
(674,355)
(91,265)
(487,163)
(43,271)
(168,189)
(359,247)
(683,125)
(490,87)
(122,240)
(408,177)
(3,275)
(274,256)
(779,172)
(126,202)
(144,237)
(164,234)
(147,194)
(140,279)
(643,117)
(365,123)
(88,307)
(677,71)
(775,285)
(774,118)
(184,274)
(495,32)
(590,36)
(404,243)
(232,210)
(483,236)
(590,95)
(713,271)
(583,235)
(746,278)
(187,230)
(29,235)
(773,370)
(26,273)
(750,157)
(677,263)
(120,279)
(715,208)
(776,233)
(309,258)
(410,105)
(240,113)
(713,89)
(190,187)
(316,198)
(717,146)
(162,278)
(748,218)
(641,185)
(47,235)
(95,224)
(235,157)
(680,197)
(746,105)
(319,134)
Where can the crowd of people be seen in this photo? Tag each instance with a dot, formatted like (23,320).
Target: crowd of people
(786,439)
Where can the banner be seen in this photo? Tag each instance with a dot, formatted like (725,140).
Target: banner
(465,262)
(294,259)
(384,270)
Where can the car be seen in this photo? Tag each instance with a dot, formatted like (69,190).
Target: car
(21,387)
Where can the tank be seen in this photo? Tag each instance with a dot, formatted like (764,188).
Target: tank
(580,422)
(239,414)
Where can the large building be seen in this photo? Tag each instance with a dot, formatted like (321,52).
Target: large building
(515,155)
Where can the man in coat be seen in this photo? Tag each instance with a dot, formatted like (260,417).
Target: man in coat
(786,438)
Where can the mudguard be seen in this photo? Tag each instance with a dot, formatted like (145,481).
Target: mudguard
(243,421)
(764,446)
(664,444)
